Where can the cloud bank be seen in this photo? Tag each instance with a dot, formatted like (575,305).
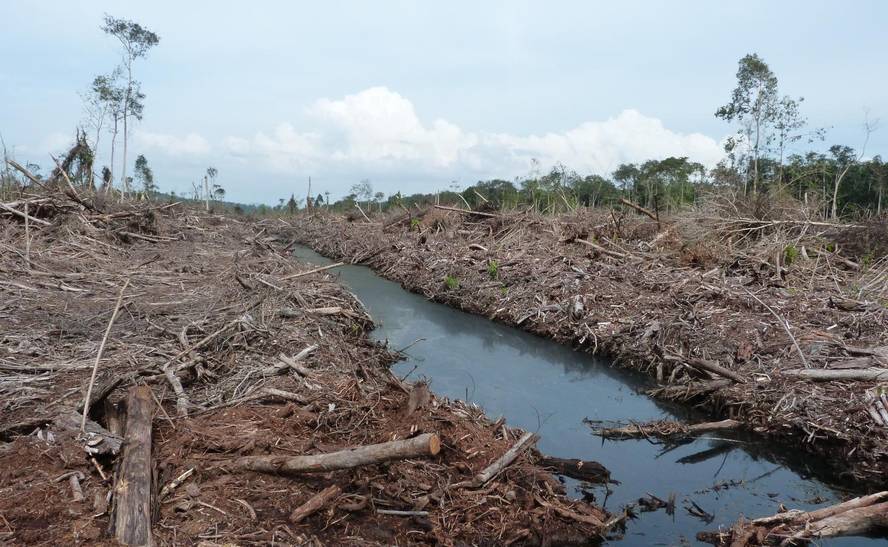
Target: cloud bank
(378,130)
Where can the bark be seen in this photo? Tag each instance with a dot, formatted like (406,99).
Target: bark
(132,491)
(588,471)
(852,374)
(315,503)
(505,460)
(427,444)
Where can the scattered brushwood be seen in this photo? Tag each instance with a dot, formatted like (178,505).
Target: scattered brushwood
(752,309)
(858,516)
(157,365)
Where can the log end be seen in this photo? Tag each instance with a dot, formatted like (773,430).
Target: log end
(434,444)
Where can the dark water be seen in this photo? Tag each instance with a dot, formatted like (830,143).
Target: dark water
(545,387)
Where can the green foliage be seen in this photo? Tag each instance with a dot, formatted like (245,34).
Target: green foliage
(790,254)
(451,282)
(493,269)
(414,224)
(144,175)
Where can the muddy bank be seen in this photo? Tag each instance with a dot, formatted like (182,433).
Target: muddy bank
(710,327)
(245,356)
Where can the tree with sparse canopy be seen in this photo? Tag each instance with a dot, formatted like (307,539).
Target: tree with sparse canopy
(136,40)
(768,122)
(145,175)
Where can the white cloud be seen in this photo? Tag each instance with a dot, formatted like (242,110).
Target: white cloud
(284,149)
(191,144)
(378,129)
(382,126)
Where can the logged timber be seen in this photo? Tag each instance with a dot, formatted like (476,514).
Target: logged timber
(664,429)
(503,461)
(315,503)
(427,444)
(703,364)
(825,375)
(132,492)
(857,516)
(581,470)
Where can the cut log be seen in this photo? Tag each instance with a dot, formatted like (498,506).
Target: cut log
(427,444)
(132,491)
(663,429)
(315,503)
(849,523)
(858,516)
(640,209)
(588,471)
(825,375)
(703,364)
(503,461)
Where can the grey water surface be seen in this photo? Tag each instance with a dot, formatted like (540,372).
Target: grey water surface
(542,386)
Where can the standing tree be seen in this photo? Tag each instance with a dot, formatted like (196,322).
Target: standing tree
(377,199)
(844,158)
(754,104)
(363,191)
(210,176)
(292,206)
(136,41)
(145,175)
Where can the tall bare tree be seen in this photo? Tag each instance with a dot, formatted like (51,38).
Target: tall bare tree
(135,40)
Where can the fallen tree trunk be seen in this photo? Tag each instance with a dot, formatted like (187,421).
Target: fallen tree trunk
(857,516)
(132,491)
(427,444)
(665,428)
(703,364)
(825,375)
(588,471)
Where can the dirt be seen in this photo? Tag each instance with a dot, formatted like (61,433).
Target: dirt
(220,287)
(667,298)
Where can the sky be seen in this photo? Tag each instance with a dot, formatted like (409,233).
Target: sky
(417,96)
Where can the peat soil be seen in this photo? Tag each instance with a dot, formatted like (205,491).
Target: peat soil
(211,311)
(764,322)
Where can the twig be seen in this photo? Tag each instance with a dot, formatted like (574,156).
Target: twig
(309,272)
(95,369)
(785,326)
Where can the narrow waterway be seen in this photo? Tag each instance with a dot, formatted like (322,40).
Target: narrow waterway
(542,386)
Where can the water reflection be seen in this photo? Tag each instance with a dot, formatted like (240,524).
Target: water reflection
(546,387)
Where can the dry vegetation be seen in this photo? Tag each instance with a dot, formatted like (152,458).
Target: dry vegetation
(758,311)
(245,354)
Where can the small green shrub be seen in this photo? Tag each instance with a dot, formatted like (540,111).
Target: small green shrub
(414,224)
(790,254)
(831,247)
(493,269)
(451,282)
(867,260)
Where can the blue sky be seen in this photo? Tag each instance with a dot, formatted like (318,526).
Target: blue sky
(414,95)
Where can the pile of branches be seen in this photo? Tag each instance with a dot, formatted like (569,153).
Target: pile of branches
(763,321)
(234,391)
